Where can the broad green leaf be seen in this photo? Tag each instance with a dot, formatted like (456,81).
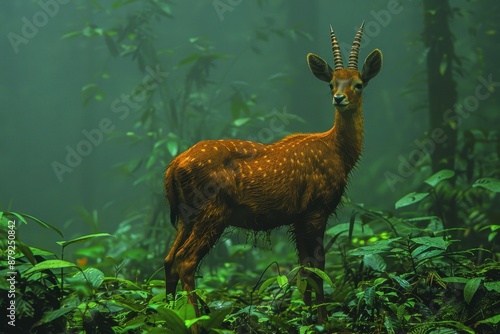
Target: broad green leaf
(151,161)
(437,242)
(93,276)
(492,286)
(428,255)
(41,252)
(26,250)
(379,281)
(111,306)
(471,288)
(172,135)
(136,322)
(52,315)
(174,321)
(159,143)
(439,176)
(241,121)
(490,227)
(49,264)
(186,311)
(492,320)
(282,280)
(22,217)
(190,322)
(266,284)
(492,236)
(459,280)
(420,249)
(18,215)
(301,285)
(83,239)
(133,305)
(173,147)
(370,296)
(402,282)
(321,274)
(44,224)
(410,199)
(375,262)
(488,183)
(388,325)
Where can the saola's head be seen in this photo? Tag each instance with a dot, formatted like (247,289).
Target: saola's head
(346,84)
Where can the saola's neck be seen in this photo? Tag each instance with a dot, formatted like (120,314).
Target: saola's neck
(347,136)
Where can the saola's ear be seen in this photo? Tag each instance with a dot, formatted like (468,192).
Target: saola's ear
(319,67)
(372,65)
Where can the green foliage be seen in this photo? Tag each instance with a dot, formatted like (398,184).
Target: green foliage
(488,183)
(394,274)
(91,302)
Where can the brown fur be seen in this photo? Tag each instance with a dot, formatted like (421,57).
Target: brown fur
(297,181)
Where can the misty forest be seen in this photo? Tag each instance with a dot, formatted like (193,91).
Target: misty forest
(378,213)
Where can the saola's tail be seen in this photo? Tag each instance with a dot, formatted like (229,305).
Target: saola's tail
(172,196)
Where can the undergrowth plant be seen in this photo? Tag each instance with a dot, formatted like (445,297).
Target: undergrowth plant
(385,273)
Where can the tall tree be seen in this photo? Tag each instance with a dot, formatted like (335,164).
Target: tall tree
(442,92)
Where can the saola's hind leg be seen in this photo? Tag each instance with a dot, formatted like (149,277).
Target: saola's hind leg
(171,272)
(193,241)
(206,231)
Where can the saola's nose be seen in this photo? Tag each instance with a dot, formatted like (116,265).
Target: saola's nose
(339,98)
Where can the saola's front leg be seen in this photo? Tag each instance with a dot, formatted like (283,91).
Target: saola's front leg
(311,252)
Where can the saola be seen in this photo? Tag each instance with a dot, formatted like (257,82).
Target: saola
(297,181)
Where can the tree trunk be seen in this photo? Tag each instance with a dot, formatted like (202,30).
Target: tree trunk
(442,93)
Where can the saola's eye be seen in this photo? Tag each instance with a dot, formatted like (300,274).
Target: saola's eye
(358,86)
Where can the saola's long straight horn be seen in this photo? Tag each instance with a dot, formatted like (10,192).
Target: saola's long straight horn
(353,55)
(337,58)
